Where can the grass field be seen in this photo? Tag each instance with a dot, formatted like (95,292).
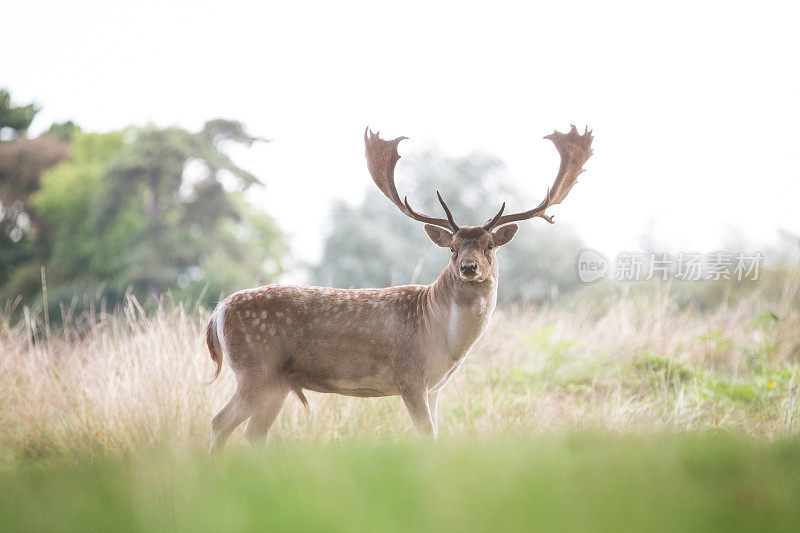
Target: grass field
(579,482)
(626,411)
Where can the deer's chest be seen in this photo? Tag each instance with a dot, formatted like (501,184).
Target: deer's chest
(465,325)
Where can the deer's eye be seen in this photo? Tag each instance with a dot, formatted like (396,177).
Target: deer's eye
(452,250)
(490,246)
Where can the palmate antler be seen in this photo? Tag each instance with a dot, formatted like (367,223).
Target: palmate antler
(575,150)
(382,157)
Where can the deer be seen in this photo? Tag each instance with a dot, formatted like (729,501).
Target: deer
(405,341)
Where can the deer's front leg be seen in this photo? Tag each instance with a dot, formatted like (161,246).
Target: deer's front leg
(433,403)
(416,400)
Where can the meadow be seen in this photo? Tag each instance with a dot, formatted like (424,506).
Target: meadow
(618,408)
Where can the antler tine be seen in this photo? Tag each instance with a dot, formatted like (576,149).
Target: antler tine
(575,149)
(447,212)
(492,221)
(382,157)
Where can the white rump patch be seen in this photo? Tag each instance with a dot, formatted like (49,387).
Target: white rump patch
(220,318)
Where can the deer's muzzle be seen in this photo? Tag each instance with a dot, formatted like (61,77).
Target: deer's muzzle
(469,269)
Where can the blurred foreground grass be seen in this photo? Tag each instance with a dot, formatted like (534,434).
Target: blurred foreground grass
(569,482)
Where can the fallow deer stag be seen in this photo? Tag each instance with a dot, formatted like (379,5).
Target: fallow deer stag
(405,341)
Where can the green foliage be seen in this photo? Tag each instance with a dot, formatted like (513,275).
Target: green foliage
(145,210)
(66,202)
(556,371)
(22,163)
(373,245)
(63,130)
(16,118)
(758,388)
(553,351)
(720,344)
(665,368)
(571,482)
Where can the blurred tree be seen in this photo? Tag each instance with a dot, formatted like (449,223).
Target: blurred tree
(14,120)
(374,245)
(146,210)
(76,250)
(63,130)
(22,162)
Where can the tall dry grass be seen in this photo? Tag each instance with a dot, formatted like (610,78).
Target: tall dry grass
(133,380)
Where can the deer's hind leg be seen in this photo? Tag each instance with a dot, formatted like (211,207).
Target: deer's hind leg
(240,407)
(236,411)
(266,411)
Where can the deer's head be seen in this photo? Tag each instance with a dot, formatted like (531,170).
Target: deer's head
(473,248)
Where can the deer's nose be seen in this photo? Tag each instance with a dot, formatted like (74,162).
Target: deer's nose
(469,268)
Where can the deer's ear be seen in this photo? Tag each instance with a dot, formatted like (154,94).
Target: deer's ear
(505,234)
(440,236)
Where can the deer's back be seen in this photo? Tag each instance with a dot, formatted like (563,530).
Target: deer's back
(332,340)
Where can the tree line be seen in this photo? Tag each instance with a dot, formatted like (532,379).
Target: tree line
(143,210)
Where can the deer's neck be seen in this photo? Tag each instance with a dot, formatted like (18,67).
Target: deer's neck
(458,312)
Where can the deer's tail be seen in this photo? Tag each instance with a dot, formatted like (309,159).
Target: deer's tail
(298,391)
(213,331)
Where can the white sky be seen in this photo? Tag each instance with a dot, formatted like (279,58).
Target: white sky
(695,106)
